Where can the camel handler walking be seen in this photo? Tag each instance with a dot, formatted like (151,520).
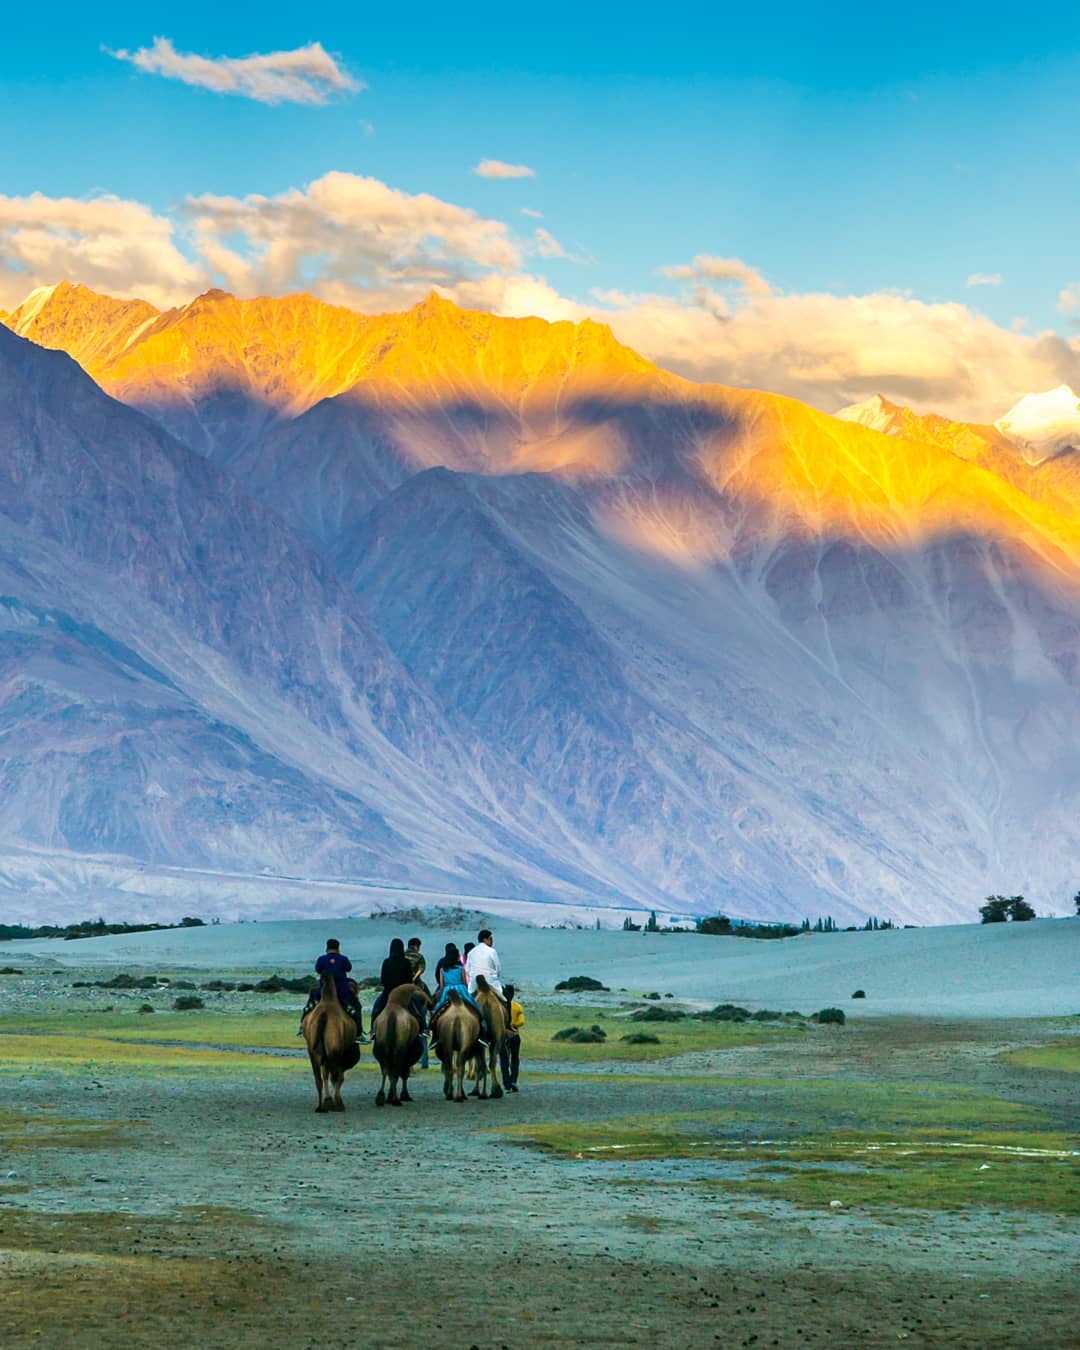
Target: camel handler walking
(511,1050)
(335,961)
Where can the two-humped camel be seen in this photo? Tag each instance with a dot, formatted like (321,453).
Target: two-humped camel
(330,1034)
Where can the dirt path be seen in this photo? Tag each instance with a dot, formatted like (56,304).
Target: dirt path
(225,1212)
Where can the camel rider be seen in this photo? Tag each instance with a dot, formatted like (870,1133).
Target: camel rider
(339,965)
(416,960)
(396,970)
(484,960)
(450,975)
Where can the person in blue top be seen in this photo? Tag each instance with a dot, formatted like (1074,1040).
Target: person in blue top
(339,965)
(449,974)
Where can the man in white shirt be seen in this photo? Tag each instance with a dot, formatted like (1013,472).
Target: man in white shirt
(484,960)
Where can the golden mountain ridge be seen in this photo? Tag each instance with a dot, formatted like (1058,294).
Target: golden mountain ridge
(475,391)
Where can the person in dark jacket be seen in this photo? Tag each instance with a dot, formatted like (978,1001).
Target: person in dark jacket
(339,965)
(396,969)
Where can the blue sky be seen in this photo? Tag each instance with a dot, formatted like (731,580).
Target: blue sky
(836,152)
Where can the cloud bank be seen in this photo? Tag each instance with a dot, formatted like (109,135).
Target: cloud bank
(358,242)
(306,75)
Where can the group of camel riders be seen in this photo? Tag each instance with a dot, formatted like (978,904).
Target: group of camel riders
(454,971)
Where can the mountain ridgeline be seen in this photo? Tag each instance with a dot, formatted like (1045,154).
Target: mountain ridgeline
(495,607)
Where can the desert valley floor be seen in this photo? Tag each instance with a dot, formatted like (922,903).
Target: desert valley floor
(908,1177)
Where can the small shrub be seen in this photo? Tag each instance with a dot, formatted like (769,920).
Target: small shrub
(220,986)
(653,996)
(657,1015)
(146,1007)
(183,984)
(578,984)
(640,1038)
(593,1035)
(9,970)
(188,1003)
(834,1015)
(859,993)
(724,1012)
(277,984)
(767,1015)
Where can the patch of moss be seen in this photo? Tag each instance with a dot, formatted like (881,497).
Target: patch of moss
(1057,1057)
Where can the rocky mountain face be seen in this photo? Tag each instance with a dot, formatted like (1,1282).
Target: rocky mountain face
(494,604)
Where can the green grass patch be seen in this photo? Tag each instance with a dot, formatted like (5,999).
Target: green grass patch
(897,1176)
(1057,1057)
(883,1145)
(70,1052)
(256,1030)
(112,1232)
(21,1133)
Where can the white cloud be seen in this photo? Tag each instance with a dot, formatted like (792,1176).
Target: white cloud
(1069,299)
(528,211)
(112,245)
(496,168)
(984,279)
(358,242)
(707,267)
(306,75)
(832,350)
(346,232)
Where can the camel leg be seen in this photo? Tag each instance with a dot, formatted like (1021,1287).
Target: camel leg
(448,1077)
(318,1084)
(394,1099)
(380,1100)
(496,1086)
(459,1064)
(339,1105)
(405,1087)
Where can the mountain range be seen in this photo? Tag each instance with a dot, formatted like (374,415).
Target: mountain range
(487,606)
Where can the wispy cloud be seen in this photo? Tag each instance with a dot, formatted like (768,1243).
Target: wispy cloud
(1069,299)
(984,279)
(495,168)
(708,267)
(306,75)
(528,211)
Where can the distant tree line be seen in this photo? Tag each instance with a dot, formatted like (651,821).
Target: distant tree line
(88,928)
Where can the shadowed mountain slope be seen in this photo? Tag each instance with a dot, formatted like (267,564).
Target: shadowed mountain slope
(696,643)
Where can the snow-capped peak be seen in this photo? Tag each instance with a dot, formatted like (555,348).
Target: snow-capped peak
(1043,425)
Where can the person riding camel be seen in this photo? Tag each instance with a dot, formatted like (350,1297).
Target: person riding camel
(484,960)
(396,970)
(449,975)
(416,960)
(339,965)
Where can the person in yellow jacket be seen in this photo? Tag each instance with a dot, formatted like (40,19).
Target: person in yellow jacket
(511,1050)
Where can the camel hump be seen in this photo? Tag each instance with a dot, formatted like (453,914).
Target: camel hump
(329,988)
(482,985)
